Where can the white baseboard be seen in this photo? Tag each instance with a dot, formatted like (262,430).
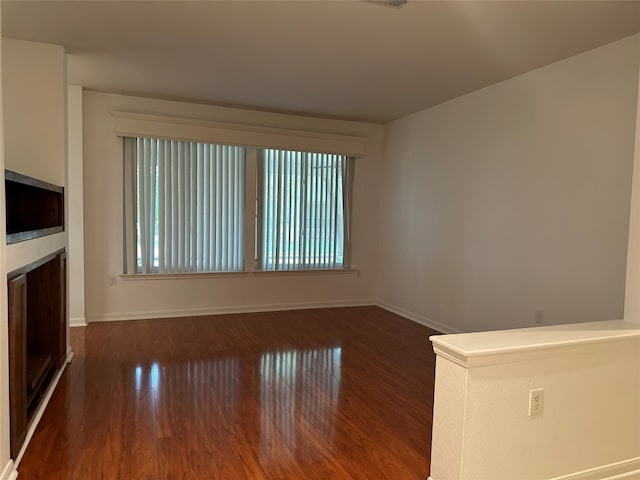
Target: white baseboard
(427,322)
(623,470)
(626,469)
(77,322)
(40,411)
(194,312)
(9,472)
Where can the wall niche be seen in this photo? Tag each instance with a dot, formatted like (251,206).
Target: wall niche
(33,208)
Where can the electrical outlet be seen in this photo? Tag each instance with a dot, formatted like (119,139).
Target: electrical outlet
(539,317)
(536,402)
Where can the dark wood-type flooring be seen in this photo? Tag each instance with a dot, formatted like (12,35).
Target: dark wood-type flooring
(343,393)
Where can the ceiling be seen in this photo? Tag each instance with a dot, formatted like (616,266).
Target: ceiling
(340,59)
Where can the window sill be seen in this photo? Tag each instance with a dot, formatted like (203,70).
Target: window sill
(260,273)
(175,276)
(325,271)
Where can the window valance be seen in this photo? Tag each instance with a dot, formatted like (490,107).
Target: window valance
(128,124)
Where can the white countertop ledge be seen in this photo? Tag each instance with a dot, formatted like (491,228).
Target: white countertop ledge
(506,346)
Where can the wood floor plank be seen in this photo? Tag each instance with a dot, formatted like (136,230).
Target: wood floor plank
(343,393)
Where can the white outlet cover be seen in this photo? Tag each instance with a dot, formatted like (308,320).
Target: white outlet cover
(536,402)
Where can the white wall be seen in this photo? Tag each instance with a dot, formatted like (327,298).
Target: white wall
(632,295)
(36,76)
(35,89)
(5,462)
(589,427)
(573,434)
(175,297)
(514,198)
(34,120)
(75,218)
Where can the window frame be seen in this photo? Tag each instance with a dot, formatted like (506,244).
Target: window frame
(152,126)
(346,192)
(183,180)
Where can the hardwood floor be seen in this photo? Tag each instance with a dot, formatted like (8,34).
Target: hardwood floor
(344,393)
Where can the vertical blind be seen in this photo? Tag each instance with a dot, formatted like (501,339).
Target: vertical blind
(184,206)
(304,210)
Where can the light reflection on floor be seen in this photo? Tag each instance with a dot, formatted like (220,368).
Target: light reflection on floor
(295,384)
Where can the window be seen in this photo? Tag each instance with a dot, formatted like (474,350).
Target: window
(184,206)
(303,210)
